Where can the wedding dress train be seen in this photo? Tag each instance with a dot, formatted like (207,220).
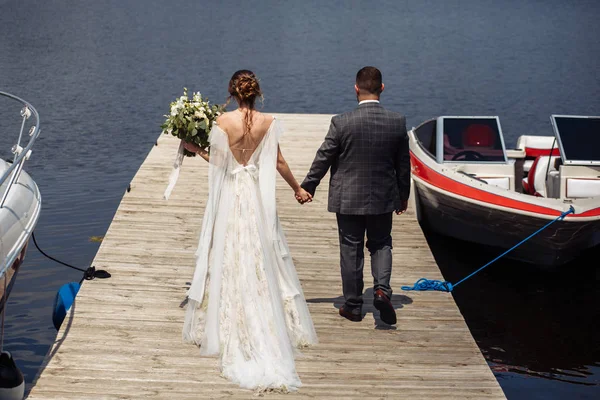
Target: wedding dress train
(245,303)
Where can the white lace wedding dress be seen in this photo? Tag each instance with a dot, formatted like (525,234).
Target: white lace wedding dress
(245,303)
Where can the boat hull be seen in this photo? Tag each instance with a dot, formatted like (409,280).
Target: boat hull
(8,280)
(18,218)
(452,216)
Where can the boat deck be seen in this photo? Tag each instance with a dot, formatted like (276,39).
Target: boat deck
(122,339)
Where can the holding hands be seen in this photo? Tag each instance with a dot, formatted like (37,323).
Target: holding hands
(302,196)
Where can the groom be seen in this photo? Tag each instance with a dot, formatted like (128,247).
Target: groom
(367,151)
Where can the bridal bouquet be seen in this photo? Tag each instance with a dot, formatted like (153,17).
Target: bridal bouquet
(191,121)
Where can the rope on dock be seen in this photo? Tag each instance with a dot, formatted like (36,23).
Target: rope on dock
(88,274)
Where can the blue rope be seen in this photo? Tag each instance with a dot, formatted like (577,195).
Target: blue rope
(445,286)
(430,284)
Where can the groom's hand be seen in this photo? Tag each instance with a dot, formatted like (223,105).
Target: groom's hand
(302,196)
(403,207)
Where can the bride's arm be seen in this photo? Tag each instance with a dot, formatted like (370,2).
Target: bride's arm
(284,170)
(204,154)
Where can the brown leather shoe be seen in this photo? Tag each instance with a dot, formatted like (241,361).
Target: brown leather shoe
(353,314)
(385,307)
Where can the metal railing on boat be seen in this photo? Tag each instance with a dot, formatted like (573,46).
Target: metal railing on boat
(21,154)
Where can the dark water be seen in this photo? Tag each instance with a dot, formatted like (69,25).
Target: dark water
(537,328)
(101,74)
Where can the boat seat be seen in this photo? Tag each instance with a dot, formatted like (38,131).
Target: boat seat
(477,136)
(535,182)
(535,146)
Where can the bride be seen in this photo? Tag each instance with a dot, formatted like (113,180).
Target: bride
(245,303)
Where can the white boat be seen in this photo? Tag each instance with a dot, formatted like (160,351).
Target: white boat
(20,200)
(469,186)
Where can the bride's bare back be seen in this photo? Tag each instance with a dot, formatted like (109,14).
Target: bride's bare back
(243,143)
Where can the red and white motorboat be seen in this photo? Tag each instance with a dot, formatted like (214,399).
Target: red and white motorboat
(467,185)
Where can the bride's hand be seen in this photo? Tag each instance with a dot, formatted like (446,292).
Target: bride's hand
(303,196)
(194,148)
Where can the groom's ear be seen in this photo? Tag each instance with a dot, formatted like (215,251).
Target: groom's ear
(382,87)
(356,89)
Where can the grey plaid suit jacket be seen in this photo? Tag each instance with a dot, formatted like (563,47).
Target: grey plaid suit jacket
(367,151)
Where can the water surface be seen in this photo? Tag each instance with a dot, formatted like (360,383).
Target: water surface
(101,74)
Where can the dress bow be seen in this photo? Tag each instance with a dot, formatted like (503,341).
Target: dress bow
(251,169)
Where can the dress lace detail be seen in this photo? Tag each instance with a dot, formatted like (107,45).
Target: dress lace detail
(246,304)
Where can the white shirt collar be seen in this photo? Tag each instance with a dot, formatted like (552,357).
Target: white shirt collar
(368,101)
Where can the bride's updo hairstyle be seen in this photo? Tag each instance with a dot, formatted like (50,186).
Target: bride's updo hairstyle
(244,87)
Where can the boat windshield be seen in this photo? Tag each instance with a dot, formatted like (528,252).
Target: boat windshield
(578,138)
(470,139)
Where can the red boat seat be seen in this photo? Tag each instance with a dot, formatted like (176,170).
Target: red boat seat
(535,183)
(479,135)
(535,146)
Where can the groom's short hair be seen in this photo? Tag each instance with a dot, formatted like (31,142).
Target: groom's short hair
(369,80)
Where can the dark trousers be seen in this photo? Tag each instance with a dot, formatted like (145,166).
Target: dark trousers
(352,230)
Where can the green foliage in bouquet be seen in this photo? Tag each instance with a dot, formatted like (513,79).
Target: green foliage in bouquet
(191,119)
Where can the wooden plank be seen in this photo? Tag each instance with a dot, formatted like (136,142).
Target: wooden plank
(122,339)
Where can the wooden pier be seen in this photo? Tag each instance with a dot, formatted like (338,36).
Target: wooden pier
(122,339)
